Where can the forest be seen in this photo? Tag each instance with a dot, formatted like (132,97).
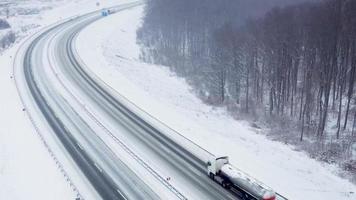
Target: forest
(290,68)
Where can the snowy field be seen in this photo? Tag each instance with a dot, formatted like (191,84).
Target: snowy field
(27,170)
(115,59)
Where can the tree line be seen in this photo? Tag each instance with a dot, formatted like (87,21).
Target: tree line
(297,61)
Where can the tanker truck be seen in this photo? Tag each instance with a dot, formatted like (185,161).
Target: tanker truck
(238,182)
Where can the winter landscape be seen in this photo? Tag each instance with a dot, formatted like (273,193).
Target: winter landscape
(178,99)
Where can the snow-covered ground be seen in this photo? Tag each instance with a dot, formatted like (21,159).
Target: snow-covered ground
(114,57)
(27,16)
(27,169)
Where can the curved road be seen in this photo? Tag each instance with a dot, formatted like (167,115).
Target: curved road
(108,174)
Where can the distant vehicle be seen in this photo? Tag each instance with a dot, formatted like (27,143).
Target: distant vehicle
(105,12)
(236,181)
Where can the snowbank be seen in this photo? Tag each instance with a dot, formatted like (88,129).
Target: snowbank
(114,57)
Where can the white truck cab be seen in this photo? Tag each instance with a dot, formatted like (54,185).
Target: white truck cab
(215,164)
(214,167)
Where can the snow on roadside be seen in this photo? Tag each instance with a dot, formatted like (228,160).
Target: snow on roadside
(26,17)
(114,57)
(27,170)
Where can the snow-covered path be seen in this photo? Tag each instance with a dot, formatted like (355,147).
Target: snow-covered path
(114,58)
(27,169)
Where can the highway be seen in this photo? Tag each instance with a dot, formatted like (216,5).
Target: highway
(107,172)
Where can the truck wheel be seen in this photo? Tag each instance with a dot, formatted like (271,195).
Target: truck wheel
(245,197)
(224,184)
(212,176)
